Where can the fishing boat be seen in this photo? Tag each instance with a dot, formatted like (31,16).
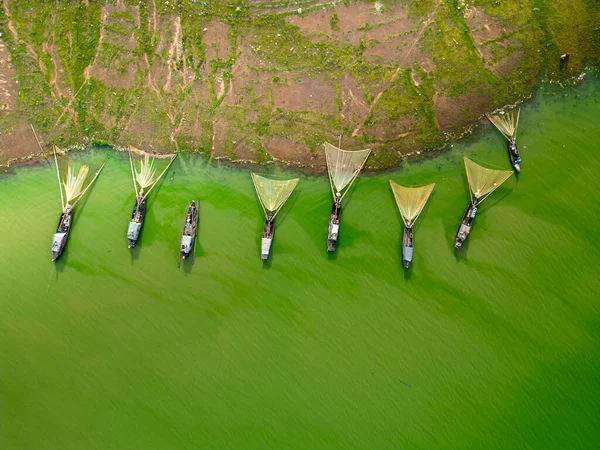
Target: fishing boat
(410,201)
(343,167)
(190,227)
(507,122)
(59,240)
(272,195)
(72,189)
(482,182)
(334,223)
(137,220)
(146,178)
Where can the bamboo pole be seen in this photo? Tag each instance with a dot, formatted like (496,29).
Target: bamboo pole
(159,177)
(90,184)
(354,177)
(60,187)
(133,175)
(286,199)
(258,193)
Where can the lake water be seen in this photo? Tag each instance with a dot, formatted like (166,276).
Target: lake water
(497,346)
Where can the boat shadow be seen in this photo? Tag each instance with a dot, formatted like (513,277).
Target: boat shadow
(134,253)
(462,253)
(333,256)
(266,263)
(188,264)
(60,264)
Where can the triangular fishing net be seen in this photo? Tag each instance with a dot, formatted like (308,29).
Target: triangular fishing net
(74,184)
(506,122)
(147,173)
(273,193)
(411,200)
(484,181)
(343,165)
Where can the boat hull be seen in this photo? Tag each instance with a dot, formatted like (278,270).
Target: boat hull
(59,240)
(137,220)
(334,226)
(513,155)
(190,230)
(266,240)
(265,248)
(466,223)
(407,247)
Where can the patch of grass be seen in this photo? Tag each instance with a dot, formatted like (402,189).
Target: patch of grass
(100,143)
(334,22)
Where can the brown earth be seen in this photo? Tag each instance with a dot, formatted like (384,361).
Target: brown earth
(286,150)
(216,41)
(301,94)
(8,82)
(452,111)
(18,143)
(355,108)
(214,78)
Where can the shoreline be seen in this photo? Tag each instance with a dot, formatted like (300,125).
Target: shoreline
(316,168)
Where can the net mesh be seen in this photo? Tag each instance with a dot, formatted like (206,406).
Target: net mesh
(74,184)
(147,173)
(506,122)
(273,193)
(343,164)
(484,181)
(411,200)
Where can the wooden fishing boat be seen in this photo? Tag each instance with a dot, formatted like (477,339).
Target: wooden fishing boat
(137,220)
(407,247)
(507,122)
(343,167)
(410,201)
(267,237)
(466,223)
(190,230)
(272,195)
(513,154)
(334,224)
(147,179)
(482,182)
(59,240)
(72,189)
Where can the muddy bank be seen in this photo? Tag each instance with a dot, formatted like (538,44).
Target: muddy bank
(264,82)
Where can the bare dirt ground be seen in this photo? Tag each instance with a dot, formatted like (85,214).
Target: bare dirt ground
(267,79)
(18,144)
(354,105)
(301,94)
(451,111)
(8,82)
(287,150)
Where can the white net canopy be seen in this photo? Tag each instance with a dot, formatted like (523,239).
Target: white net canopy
(344,165)
(74,184)
(484,181)
(273,193)
(507,122)
(146,176)
(411,200)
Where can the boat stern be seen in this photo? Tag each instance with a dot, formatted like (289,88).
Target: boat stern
(332,236)
(187,243)
(461,236)
(407,255)
(133,233)
(265,248)
(58,244)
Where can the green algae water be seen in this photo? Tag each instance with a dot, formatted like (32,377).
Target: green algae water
(494,347)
